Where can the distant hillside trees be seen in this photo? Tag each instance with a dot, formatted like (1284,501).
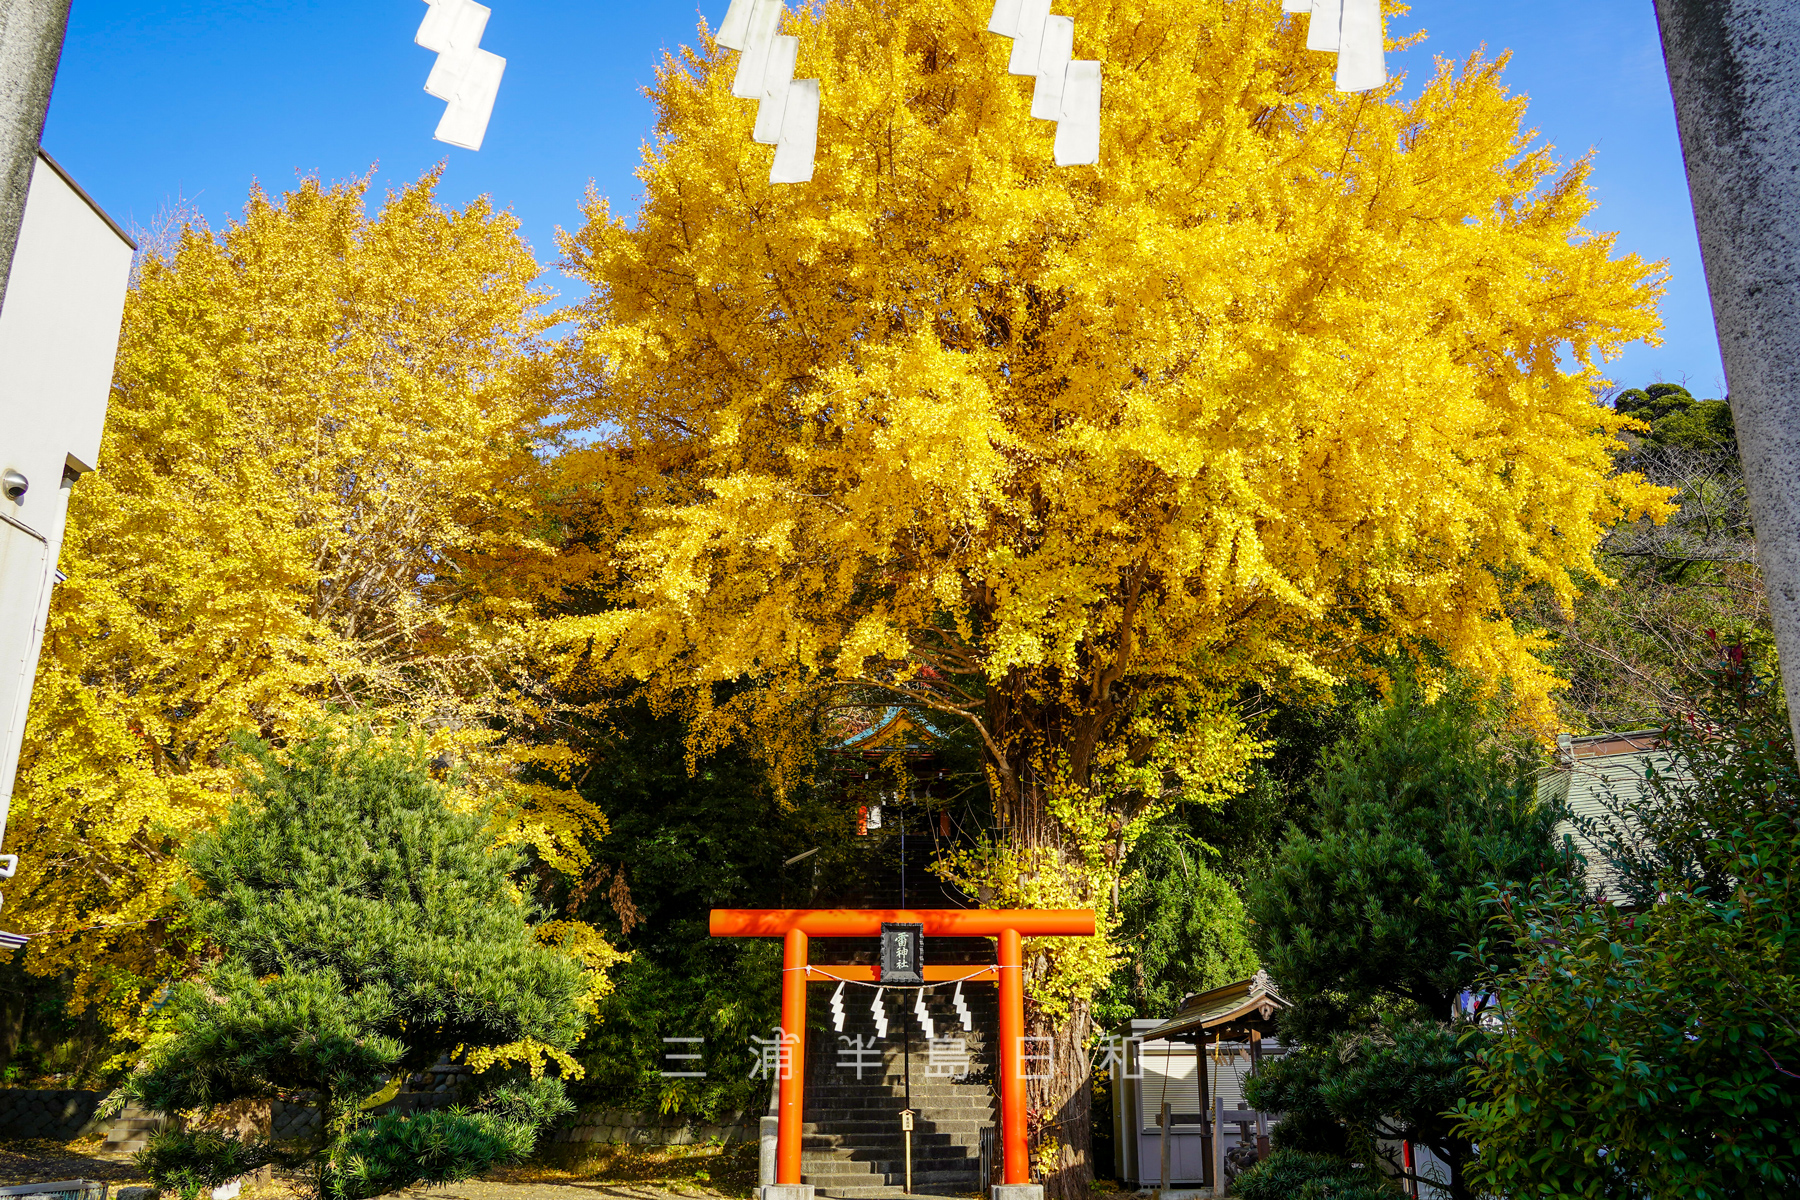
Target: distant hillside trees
(1630,651)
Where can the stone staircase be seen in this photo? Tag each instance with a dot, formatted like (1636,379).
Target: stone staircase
(132,1129)
(852,1144)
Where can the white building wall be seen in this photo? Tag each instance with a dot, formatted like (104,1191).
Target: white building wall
(59,335)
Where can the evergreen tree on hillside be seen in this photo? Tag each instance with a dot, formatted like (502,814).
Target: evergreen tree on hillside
(363,930)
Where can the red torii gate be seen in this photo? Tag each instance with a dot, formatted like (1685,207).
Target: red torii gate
(797,926)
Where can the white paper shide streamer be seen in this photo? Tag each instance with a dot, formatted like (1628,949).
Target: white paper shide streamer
(465,75)
(924,1015)
(1352,30)
(787,110)
(837,1008)
(962,1009)
(880,1015)
(1067,89)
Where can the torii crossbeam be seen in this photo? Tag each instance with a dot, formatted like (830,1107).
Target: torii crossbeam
(796,928)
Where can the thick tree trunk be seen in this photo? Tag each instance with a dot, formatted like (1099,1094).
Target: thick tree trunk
(1035,733)
(31,39)
(1061,1106)
(1734,69)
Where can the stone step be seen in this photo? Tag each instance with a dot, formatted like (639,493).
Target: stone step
(885,1171)
(842,1079)
(837,1141)
(875,1107)
(874,1192)
(893,1166)
(897,1152)
(964,1180)
(871,1092)
(926,1118)
(865,1128)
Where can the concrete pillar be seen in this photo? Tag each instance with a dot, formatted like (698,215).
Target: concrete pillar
(1734,69)
(31,39)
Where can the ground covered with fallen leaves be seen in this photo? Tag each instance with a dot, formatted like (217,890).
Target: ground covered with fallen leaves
(559,1172)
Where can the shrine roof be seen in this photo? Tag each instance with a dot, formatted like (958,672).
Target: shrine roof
(894,728)
(1235,1008)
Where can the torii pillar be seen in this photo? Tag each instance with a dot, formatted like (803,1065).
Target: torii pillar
(1009,927)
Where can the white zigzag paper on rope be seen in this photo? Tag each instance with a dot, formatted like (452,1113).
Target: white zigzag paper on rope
(880,1015)
(787,110)
(1352,30)
(837,1008)
(465,75)
(920,1011)
(962,1009)
(1067,90)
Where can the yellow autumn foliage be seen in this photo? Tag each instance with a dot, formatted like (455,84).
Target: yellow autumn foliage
(317,501)
(1292,381)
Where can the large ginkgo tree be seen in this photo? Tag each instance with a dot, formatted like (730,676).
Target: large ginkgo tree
(1292,380)
(318,501)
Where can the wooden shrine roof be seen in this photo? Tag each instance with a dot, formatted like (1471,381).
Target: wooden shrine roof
(1228,1012)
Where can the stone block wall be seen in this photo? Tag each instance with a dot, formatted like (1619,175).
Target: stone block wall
(654,1129)
(58,1115)
(438,1086)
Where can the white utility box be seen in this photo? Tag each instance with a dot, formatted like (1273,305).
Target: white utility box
(59,335)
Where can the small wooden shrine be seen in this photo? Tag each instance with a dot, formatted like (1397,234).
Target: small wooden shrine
(1219,1024)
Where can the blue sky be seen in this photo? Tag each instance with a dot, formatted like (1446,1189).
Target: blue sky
(195,99)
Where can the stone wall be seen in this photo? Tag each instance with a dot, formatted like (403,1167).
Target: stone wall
(65,1115)
(60,1116)
(438,1086)
(653,1129)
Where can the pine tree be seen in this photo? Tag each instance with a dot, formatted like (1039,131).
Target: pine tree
(1366,920)
(364,928)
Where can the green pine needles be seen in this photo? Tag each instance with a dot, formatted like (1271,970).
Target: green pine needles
(364,929)
(1364,921)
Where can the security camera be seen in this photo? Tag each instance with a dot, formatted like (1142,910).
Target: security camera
(16,485)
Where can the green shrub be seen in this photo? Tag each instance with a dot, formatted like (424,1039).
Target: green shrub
(364,928)
(191,1164)
(442,1147)
(1295,1175)
(539,1103)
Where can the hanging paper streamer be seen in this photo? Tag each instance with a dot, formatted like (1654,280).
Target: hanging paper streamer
(465,75)
(1067,90)
(1056,51)
(1078,133)
(1352,30)
(1362,50)
(1324,26)
(962,1009)
(880,1015)
(924,1016)
(837,1008)
(787,110)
